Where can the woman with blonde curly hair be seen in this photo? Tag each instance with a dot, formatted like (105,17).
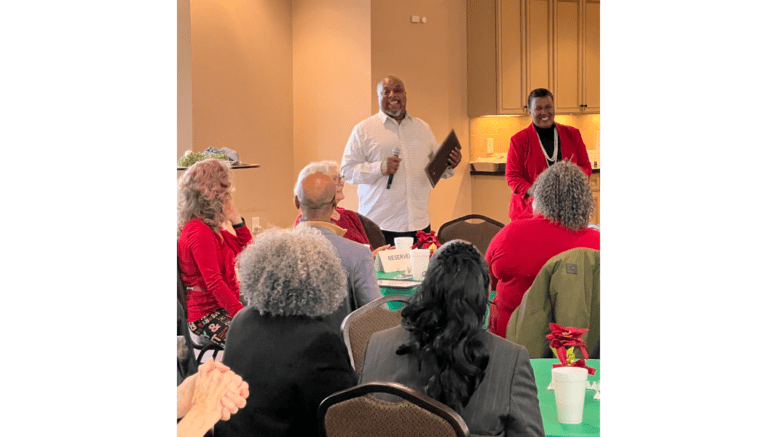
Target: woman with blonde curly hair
(207,250)
(278,343)
(563,203)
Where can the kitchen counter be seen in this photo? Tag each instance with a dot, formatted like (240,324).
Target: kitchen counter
(500,171)
(491,195)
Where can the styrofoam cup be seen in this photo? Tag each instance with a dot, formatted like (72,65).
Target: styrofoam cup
(419,259)
(569,388)
(403,242)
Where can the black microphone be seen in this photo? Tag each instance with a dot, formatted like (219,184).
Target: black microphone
(394,152)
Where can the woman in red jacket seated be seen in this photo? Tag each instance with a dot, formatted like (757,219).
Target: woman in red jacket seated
(345,218)
(563,203)
(207,249)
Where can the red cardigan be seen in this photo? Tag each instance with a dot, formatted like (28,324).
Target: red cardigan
(207,262)
(525,161)
(354,229)
(516,255)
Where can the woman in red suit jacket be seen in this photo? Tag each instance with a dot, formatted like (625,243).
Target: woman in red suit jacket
(563,205)
(206,251)
(536,148)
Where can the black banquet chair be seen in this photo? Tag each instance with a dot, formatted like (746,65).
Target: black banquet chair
(475,228)
(358,327)
(374,234)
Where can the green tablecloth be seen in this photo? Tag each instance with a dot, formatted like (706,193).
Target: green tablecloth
(547,398)
(393,291)
(411,291)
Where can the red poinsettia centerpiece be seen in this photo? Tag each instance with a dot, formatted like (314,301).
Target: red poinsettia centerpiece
(563,341)
(427,241)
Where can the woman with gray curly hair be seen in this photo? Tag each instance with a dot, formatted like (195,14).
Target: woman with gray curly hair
(563,203)
(207,250)
(278,343)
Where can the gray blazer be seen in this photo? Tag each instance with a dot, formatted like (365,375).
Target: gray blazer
(504,404)
(359,268)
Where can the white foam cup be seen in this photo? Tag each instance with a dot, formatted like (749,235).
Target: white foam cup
(403,242)
(569,388)
(419,259)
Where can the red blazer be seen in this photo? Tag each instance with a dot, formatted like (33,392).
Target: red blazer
(525,161)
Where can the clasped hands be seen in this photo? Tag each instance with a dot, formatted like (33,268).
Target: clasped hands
(214,391)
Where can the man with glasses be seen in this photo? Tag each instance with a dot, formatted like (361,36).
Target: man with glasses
(393,146)
(316,197)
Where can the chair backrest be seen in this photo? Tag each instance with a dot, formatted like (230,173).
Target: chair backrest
(479,234)
(373,231)
(358,412)
(358,327)
(193,341)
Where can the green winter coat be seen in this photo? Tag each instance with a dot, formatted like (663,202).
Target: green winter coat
(565,291)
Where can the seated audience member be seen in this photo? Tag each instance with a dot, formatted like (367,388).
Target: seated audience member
(315,196)
(562,205)
(442,350)
(277,343)
(206,251)
(214,392)
(344,218)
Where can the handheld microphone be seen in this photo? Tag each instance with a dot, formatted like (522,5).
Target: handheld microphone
(394,152)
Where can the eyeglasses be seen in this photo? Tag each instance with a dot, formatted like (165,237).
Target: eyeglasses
(338,180)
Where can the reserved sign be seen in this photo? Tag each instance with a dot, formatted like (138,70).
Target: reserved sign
(394,260)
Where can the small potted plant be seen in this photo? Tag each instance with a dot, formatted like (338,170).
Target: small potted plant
(563,341)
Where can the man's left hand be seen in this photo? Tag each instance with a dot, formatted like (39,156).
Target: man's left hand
(454,158)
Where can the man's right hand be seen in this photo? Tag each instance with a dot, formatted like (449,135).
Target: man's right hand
(392,165)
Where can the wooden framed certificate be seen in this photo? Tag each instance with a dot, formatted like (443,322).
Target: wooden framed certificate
(439,162)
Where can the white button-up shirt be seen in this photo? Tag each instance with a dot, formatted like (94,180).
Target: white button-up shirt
(405,206)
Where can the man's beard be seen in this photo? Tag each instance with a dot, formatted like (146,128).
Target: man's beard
(395,114)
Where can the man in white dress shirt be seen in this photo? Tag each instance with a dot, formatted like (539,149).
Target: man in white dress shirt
(369,161)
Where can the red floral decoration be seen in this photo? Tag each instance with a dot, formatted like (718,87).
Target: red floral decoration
(427,241)
(562,338)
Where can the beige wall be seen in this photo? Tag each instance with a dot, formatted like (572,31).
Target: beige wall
(331,61)
(431,60)
(184,78)
(241,97)
(283,82)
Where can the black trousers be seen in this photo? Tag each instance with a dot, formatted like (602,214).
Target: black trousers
(390,236)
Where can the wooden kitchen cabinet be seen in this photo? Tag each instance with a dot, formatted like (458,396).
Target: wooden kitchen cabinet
(515,46)
(576,52)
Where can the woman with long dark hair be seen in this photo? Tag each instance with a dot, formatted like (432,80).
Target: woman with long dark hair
(441,349)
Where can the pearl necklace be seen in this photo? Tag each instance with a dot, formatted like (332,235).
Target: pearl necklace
(555,146)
